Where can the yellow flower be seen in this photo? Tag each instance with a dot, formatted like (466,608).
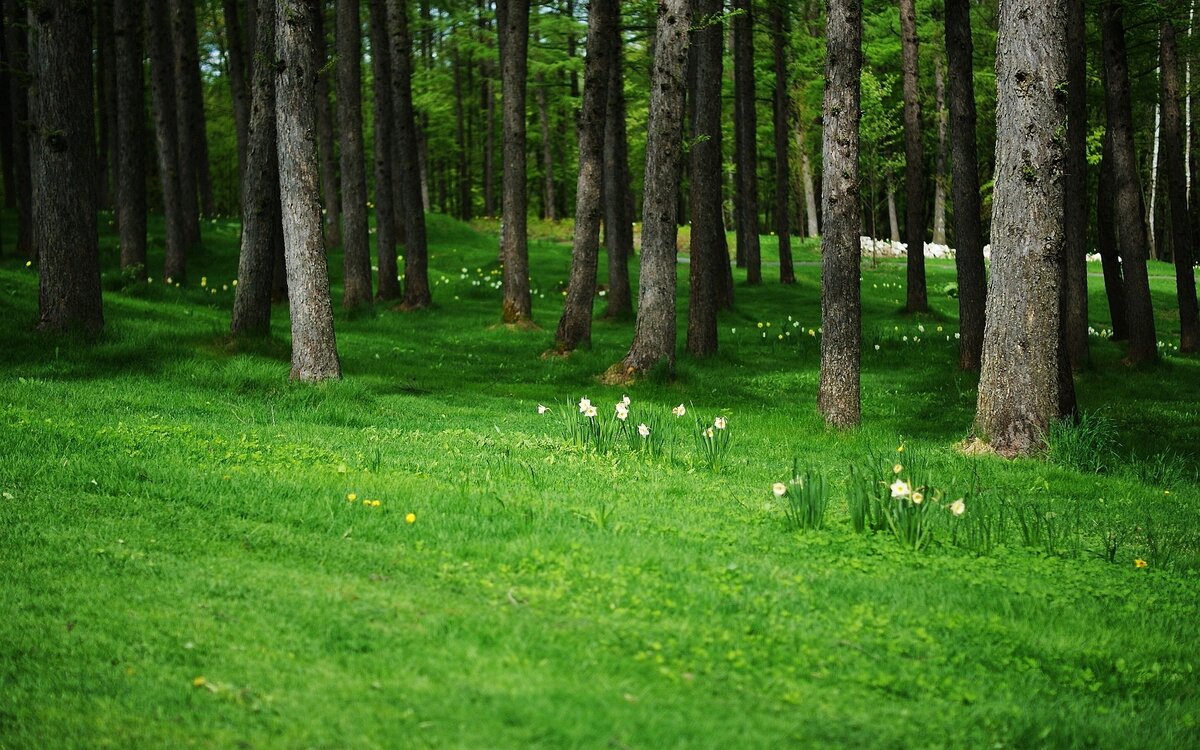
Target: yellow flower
(199,682)
(1140,563)
(351,497)
(760,325)
(410,518)
(917,498)
(367,503)
(900,449)
(897,468)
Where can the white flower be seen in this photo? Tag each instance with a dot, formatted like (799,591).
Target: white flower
(622,411)
(625,400)
(958,507)
(589,412)
(900,488)
(921,328)
(679,411)
(897,468)
(779,488)
(708,433)
(877,347)
(643,430)
(542,409)
(584,405)
(917,498)
(719,423)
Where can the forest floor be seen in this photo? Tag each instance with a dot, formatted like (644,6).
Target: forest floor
(196,552)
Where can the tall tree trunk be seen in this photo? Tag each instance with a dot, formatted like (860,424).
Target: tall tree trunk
(131,134)
(17,50)
(1106,242)
(385,226)
(968,234)
(260,192)
(462,149)
(325,133)
(810,193)
(1155,238)
(618,195)
(1181,241)
(894,219)
(107,164)
(939,170)
(654,332)
(195,183)
(575,326)
(166,131)
(489,147)
(416,274)
(841,307)
(745,124)
(1139,315)
(513,20)
(1019,383)
(914,162)
(238,73)
(6,125)
(356,266)
(708,249)
(787,274)
(64,168)
(314,348)
(548,200)
(1075,188)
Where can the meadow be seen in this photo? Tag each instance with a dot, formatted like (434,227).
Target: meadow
(195,552)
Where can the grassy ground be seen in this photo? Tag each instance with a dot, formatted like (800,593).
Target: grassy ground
(180,565)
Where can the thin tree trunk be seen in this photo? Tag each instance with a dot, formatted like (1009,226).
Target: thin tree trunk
(489,148)
(1106,242)
(618,195)
(385,227)
(810,193)
(131,134)
(746,147)
(166,131)
(238,73)
(16,45)
(356,266)
(1139,316)
(787,274)
(513,20)
(6,124)
(195,183)
(107,164)
(939,170)
(654,332)
(416,274)
(1155,239)
(968,234)
(893,218)
(914,163)
(314,348)
(548,200)
(460,138)
(1019,386)
(330,194)
(575,326)
(260,193)
(1075,187)
(64,168)
(1185,278)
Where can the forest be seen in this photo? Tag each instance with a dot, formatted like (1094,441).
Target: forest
(487,373)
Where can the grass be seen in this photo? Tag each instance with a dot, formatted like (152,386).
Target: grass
(180,565)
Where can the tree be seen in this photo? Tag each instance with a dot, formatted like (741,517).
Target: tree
(239,71)
(195,182)
(512,16)
(131,135)
(1019,385)
(1075,310)
(385,225)
(968,235)
(914,162)
(325,139)
(63,169)
(618,195)
(787,274)
(355,246)
(1106,243)
(6,135)
(166,136)
(107,164)
(745,125)
(260,191)
(314,349)
(16,47)
(575,325)
(654,332)
(841,309)
(416,274)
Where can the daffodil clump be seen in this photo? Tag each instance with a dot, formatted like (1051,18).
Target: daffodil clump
(898,499)
(643,430)
(805,498)
(712,439)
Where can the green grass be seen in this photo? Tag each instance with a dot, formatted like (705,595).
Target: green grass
(179,565)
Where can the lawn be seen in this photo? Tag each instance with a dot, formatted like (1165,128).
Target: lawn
(196,552)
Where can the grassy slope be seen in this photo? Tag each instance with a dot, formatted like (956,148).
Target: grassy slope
(174,510)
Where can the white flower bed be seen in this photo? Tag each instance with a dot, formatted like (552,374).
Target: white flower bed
(889,249)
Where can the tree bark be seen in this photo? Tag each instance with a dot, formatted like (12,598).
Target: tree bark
(787,275)
(968,234)
(416,274)
(131,134)
(6,125)
(548,199)
(745,124)
(1139,314)
(618,195)
(195,184)
(894,221)
(462,149)
(238,73)
(1181,235)
(356,248)
(385,227)
(1019,386)
(654,332)
(939,169)
(1075,187)
(1106,243)
(107,164)
(325,133)
(314,349)
(63,168)
(575,325)
(810,192)
(513,20)
(260,192)
(166,131)
(914,163)
(489,147)
(16,45)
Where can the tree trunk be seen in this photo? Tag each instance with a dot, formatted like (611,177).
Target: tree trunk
(1075,189)
(968,234)
(463,178)
(238,73)
(708,247)
(1019,384)
(260,192)
(575,326)
(939,170)
(810,192)
(914,163)
(1155,238)
(745,124)
(131,134)
(166,131)
(513,20)
(356,266)
(1181,240)
(618,195)
(107,164)
(314,349)
(1106,243)
(489,148)
(6,125)
(16,45)
(325,136)
(1130,217)
(548,201)
(893,219)
(63,168)
(416,274)
(787,274)
(654,332)
(195,184)
(385,226)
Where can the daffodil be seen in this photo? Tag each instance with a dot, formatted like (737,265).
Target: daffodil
(542,409)
(1140,563)
(900,488)
(918,498)
(643,430)
(679,411)
(719,423)
(351,497)
(779,488)
(584,405)
(958,507)
(589,411)
(622,411)
(410,518)
(897,468)
(625,400)
(708,433)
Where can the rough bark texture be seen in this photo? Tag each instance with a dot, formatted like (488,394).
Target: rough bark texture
(107,164)
(238,73)
(810,193)
(63,167)
(16,46)
(489,148)
(708,227)
(461,136)
(195,185)
(968,234)
(618,194)
(260,192)
(416,274)
(513,20)
(787,274)
(314,350)
(894,232)
(1129,214)
(325,137)
(841,307)
(939,169)
(131,134)
(1106,243)
(914,162)
(745,124)
(385,226)
(166,133)
(1181,235)
(548,198)
(356,248)
(1075,312)
(1019,384)
(575,325)
(654,332)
